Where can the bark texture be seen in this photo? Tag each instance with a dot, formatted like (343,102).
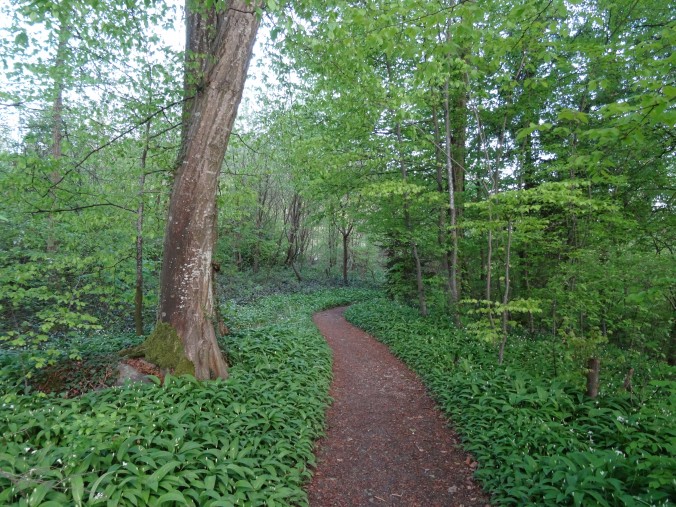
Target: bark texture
(593,373)
(220,45)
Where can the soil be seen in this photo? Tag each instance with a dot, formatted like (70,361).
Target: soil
(386,443)
(71,378)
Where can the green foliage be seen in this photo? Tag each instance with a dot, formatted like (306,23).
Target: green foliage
(537,438)
(245,441)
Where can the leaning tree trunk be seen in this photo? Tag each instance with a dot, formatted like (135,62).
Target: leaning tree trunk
(186,295)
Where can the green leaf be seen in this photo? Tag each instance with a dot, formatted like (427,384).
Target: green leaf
(172,496)
(21,39)
(163,470)
(77,487)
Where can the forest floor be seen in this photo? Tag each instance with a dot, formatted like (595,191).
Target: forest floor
(386,441)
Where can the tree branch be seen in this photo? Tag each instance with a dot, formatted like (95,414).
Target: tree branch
(114,140)
(79,208)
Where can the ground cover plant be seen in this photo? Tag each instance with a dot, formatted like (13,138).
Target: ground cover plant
(245,441)
(537,437)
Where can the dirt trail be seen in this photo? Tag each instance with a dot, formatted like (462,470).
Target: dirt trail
(386,443)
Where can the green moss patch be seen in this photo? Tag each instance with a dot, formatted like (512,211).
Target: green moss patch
(165,349)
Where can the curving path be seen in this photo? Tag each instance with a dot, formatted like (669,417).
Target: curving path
(386,442)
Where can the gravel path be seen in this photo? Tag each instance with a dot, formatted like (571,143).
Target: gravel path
(386,442)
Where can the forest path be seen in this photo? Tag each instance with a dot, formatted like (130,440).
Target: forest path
(386,442)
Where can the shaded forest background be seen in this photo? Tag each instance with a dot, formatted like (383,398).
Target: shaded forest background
(510,164)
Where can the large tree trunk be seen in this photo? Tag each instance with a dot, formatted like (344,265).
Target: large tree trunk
(220,68)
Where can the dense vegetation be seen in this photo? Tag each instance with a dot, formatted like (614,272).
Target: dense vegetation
(246,441)
(537,438)
(507,166)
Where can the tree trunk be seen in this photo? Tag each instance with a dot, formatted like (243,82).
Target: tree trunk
(407,222)
(455,292)
(505,298)
(407,216)
(138,297)
(346,252)
(57,126)
(593,372)
(186,295)
(442,234)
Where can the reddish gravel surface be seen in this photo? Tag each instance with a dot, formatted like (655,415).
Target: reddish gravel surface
(386,443)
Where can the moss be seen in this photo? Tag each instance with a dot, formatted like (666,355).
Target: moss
(165,349)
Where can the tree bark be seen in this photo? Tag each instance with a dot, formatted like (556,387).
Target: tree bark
(138,297)
(593,372)
(221,64)
(455,292)
(505,298)
(442,235)
(345,233)
(57,126)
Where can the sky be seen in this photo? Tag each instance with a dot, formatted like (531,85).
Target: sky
(174,37)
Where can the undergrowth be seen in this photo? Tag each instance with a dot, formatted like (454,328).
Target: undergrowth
(245,441)
(538,439)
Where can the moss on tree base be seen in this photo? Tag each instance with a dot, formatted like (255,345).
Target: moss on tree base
(164,348)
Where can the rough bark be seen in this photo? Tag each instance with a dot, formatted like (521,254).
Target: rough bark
(593,371)
(627,381)
(220,45)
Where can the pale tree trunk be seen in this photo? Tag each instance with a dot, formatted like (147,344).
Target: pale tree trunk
(442,234)
(505,297)
(57,127)
(455,292)
(138,296)
(224,40)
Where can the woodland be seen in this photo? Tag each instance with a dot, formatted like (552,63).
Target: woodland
(491,186)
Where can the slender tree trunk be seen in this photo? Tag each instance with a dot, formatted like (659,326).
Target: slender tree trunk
(138,297)
(422,300)
(57,126)
(455,291)
(345,233)
(186,295)
(489,270)
(442,236)
(505,297)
